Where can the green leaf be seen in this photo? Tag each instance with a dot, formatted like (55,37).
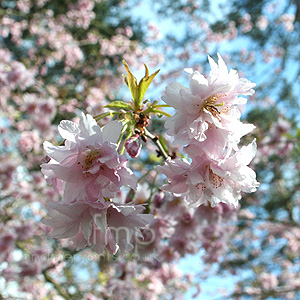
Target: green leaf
(157,111)
(298,134)
(131,81)
(144,84)
(138,90)
(162,105)
(119,105)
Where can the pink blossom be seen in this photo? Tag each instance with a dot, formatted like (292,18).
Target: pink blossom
(30,269)
(219,142)
(6,240)
(262,22)
(208,101)
(268,281)
(142,193)
(158,199)
(212,180)
(20,76)
(29,141)
(103,225)
(88,163)
(288,21)
(8,169)
(177,173)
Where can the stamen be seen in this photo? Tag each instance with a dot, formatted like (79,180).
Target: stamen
(215,179)
(90,156)
(210,105)
(200,186)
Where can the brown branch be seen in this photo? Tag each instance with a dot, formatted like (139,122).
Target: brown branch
(156,141)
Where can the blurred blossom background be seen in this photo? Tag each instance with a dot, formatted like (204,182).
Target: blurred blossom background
(58,58)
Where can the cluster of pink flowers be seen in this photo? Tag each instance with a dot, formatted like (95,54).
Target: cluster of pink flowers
(178,229)
(207,122)
(13,75)
(276,142)
(88,171)
(147,281)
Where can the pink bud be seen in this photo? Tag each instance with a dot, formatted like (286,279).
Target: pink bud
(133,146)
(159,199)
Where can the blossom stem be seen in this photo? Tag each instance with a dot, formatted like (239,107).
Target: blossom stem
(148,207)
(102,116)
(145,175)
(121,135)
(123,146)
(156,141)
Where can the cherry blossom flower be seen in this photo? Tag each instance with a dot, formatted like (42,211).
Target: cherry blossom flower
(219,142)
(208,101)
(88,165)
(268,280)
(19,76)
(103,225)
(212,180)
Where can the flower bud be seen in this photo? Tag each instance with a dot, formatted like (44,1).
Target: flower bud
(133,146)
(159,199)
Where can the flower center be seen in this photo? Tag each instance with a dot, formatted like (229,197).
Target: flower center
(215,179)
(210,104)
(89,160)
(200,186)
(90,157)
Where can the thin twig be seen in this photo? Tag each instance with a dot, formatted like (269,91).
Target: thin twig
(59,289)
(156,141)
(148,208)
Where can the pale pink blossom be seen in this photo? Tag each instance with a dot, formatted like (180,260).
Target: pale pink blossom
(88,164)
(212,180)
(7,240)
(103,225)
(142,193)
(20,76)
(246,214)
(208,101)
(30,269)
(219,142)
(288,21)
(262,22)
(29,141)
(268,281)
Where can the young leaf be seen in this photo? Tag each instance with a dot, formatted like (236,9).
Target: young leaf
(131,81)
(119,105)
(144,84)
(161,105)
(157,111)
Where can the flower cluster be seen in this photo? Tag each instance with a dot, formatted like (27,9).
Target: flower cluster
(207,122)
(88,171)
